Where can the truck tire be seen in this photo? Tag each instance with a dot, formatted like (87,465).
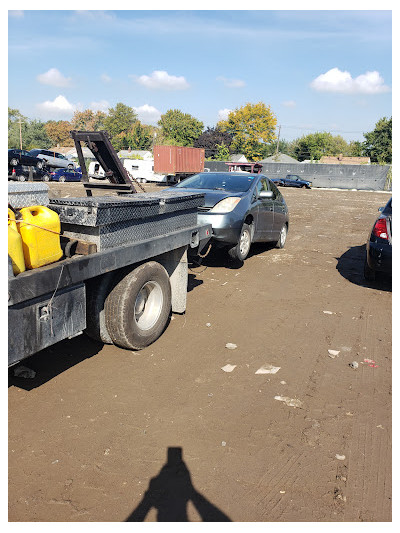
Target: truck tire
(138,307)
(97,290)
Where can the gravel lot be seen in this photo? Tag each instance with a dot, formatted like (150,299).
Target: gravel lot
(99,433)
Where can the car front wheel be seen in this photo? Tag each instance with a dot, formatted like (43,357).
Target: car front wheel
(241,250)
(62,178)
(14,162)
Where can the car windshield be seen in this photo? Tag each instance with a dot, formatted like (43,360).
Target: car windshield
(219,181)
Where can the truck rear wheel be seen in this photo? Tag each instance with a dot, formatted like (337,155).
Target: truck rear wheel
(138,307)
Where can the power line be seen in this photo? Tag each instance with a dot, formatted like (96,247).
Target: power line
(316,129)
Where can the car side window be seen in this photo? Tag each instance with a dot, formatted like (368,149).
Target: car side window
(275,190)
(262,185)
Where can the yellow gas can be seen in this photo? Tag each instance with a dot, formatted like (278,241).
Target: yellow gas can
(40,232)
(15,250)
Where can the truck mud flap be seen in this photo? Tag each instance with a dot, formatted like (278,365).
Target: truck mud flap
(38,323)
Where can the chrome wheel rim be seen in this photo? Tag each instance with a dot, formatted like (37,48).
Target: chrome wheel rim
(244,243)
(148,305)
(283,235)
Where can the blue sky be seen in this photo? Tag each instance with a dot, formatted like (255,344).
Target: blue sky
(317,70)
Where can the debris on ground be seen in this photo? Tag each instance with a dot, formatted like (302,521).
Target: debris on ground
(268,369)
(228,368)
(333,353)
(328,312)
(22,371)
(231,346)
(340,457)
(208,324)
(291,402)
(371,363)
(354,365)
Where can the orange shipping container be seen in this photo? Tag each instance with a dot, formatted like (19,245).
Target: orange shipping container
(173,160)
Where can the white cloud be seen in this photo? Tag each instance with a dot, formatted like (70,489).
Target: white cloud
(16,13)
(160,79)
(289,103)
(339,81)
(56,108)
(105,78)
(223,114)
(231,82)
(54,78)
(148,114)
(102,105)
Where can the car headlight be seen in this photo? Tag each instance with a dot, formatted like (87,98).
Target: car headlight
(226,205)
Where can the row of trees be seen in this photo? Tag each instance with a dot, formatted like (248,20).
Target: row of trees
(250,130)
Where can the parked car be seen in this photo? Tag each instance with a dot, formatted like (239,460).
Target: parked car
(52,159)
(23,157)
(379,245)
(292,180)
(66,174)
(242,208)
(21,173)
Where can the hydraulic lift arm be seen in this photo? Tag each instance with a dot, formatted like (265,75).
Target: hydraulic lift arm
(100,145)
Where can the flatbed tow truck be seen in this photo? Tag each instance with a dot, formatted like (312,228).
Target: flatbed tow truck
(120,276)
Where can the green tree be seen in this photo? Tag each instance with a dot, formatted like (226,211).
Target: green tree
(88,120)
(179,128)
(252,127)
(284,147)
(139,137)
(36,136)
(378,143)
(315,145)
(120,119)
(14,119)
(222,153)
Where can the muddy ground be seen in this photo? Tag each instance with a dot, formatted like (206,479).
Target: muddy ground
(99,433)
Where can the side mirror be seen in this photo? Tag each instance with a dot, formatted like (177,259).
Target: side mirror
(266,194)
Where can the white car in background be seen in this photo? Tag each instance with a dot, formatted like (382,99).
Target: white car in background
(52,159)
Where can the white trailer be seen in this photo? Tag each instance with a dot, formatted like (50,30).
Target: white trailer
(141,170)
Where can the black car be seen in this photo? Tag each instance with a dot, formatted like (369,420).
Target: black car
(22,157)
(292,180)
(21,173)
(242,208)
(379,245)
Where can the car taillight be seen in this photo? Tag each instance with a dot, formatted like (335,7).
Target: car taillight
(380,229)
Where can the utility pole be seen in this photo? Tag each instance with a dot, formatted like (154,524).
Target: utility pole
(20,132)
(277,144)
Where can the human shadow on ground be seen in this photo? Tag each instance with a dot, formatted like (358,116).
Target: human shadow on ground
(171,491)
(55,360)
(350,265)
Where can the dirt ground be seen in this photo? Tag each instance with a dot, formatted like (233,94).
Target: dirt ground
(172,434)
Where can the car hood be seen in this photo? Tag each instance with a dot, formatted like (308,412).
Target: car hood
(211,197)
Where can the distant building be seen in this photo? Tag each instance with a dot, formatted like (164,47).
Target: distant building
(279,158)
(344,160)
(71,153)
(238,158)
